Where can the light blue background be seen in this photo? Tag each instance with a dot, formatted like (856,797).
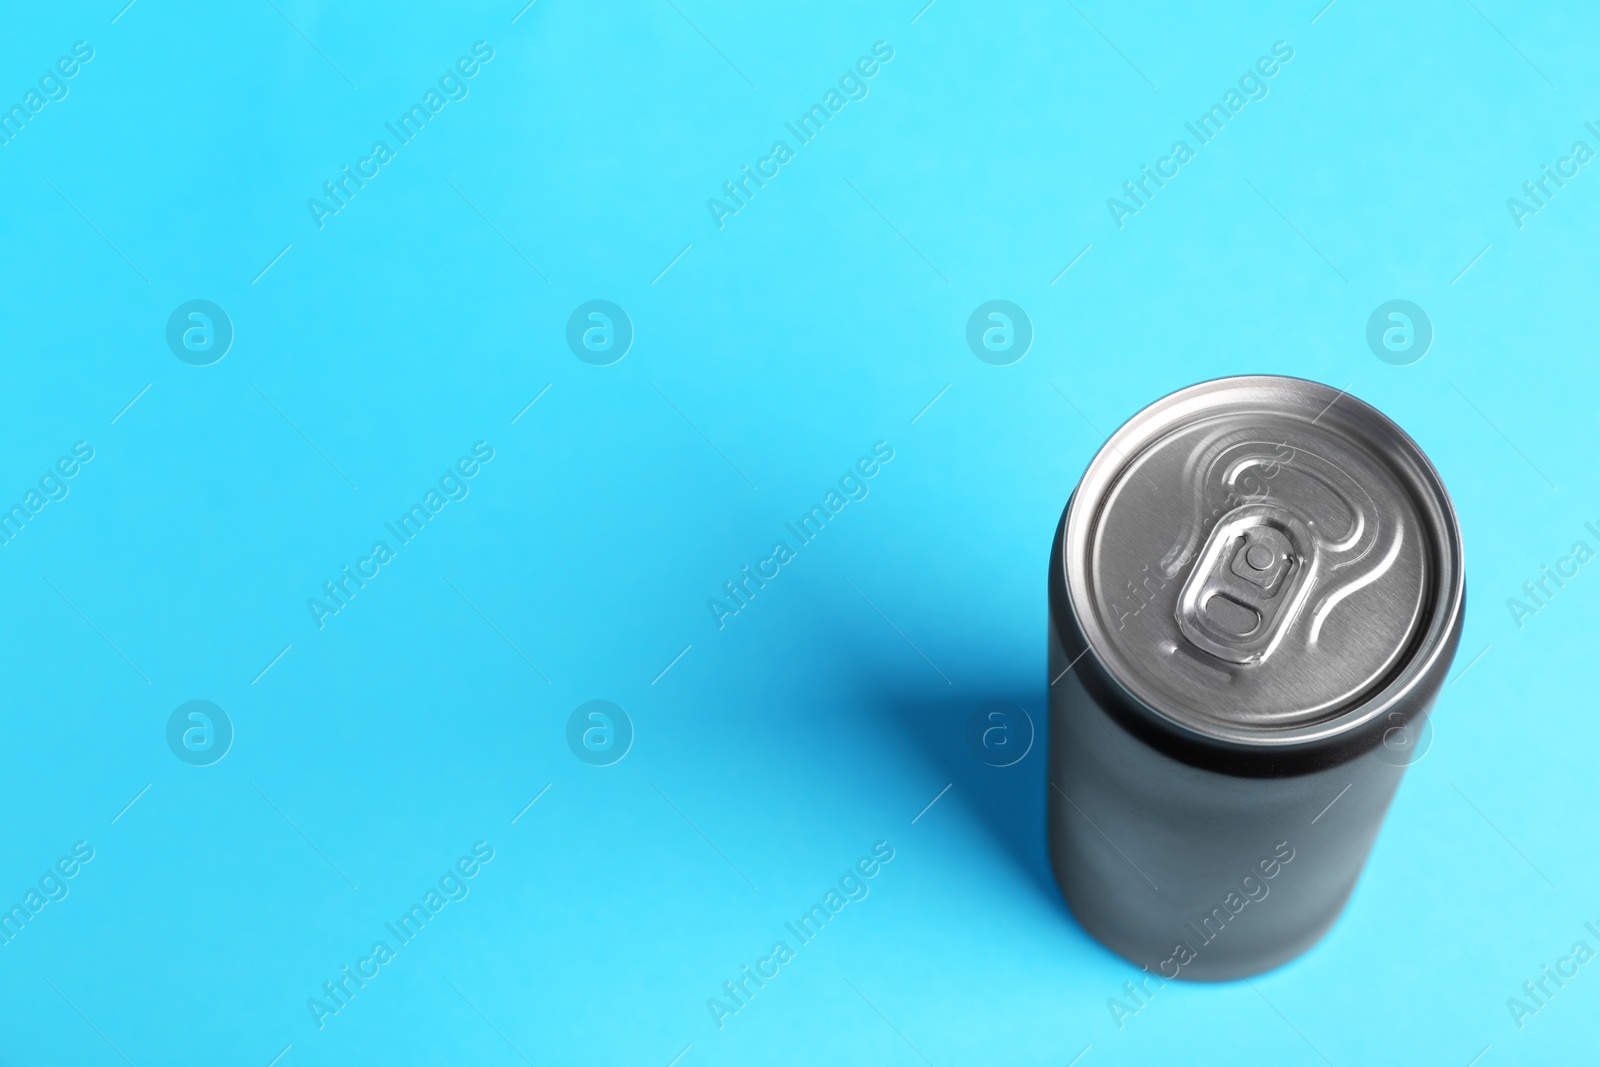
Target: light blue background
(824,317)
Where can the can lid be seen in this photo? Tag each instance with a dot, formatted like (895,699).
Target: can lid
(1263,560)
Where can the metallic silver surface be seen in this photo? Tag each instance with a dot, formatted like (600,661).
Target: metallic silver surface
(1256,579)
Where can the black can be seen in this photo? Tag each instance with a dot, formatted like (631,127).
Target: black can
(1255,594)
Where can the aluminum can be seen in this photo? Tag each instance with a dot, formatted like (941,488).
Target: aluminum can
(1255,594)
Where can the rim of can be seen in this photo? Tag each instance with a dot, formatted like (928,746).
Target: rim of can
(1354,724)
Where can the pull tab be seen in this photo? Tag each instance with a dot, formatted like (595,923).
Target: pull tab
(1248,582)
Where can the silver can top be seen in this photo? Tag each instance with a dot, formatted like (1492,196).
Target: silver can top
(1263,560)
